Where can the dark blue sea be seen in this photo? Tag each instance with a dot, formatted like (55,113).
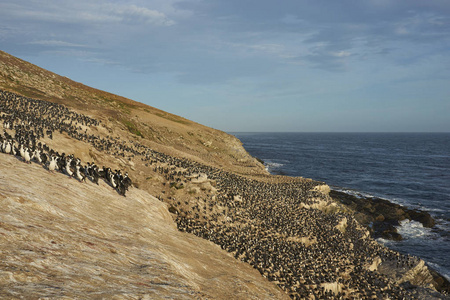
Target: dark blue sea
(411,169)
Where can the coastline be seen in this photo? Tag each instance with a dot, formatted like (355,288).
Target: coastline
(404,168)
(382,217)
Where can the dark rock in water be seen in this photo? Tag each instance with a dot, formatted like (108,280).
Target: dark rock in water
(441,283)
(381,216)
(386,230)
(390,211)
(422,217)
(260,160)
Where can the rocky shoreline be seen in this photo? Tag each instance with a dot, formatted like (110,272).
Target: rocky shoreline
(382,217)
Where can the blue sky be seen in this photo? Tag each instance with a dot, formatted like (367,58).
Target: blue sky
(239,65)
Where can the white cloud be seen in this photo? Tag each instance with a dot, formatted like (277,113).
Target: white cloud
(341,54)
(55,43)
(268,48)
(79,12)
(423,24)
(401,30)
(136,14)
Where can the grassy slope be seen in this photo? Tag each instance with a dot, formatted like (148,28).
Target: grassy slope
(160,130)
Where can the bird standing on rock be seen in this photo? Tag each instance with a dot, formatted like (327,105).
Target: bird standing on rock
(53,163)
(80,174)
(8,147)
(68,167)
(26,156)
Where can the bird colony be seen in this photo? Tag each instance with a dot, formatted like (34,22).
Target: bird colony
(283,227)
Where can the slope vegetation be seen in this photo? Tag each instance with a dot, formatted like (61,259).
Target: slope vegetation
(123,117)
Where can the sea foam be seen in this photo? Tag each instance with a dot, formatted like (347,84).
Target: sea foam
(410,229)
(273,165)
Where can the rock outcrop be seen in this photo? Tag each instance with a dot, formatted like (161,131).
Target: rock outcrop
(382,216)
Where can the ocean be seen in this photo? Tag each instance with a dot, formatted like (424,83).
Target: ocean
(411,169)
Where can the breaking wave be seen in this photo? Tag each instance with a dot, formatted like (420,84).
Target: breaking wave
(413,229)
(274,166)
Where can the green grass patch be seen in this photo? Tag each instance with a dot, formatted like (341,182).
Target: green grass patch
(172,118)
(132,128)
(117,104)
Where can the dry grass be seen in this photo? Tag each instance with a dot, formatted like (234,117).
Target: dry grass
(161,130)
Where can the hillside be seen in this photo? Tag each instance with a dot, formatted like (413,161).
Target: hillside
(123,117)
(234,220)
(60,237)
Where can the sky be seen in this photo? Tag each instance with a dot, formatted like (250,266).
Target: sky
(247,65)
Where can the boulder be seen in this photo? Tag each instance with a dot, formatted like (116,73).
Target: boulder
(381,216)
